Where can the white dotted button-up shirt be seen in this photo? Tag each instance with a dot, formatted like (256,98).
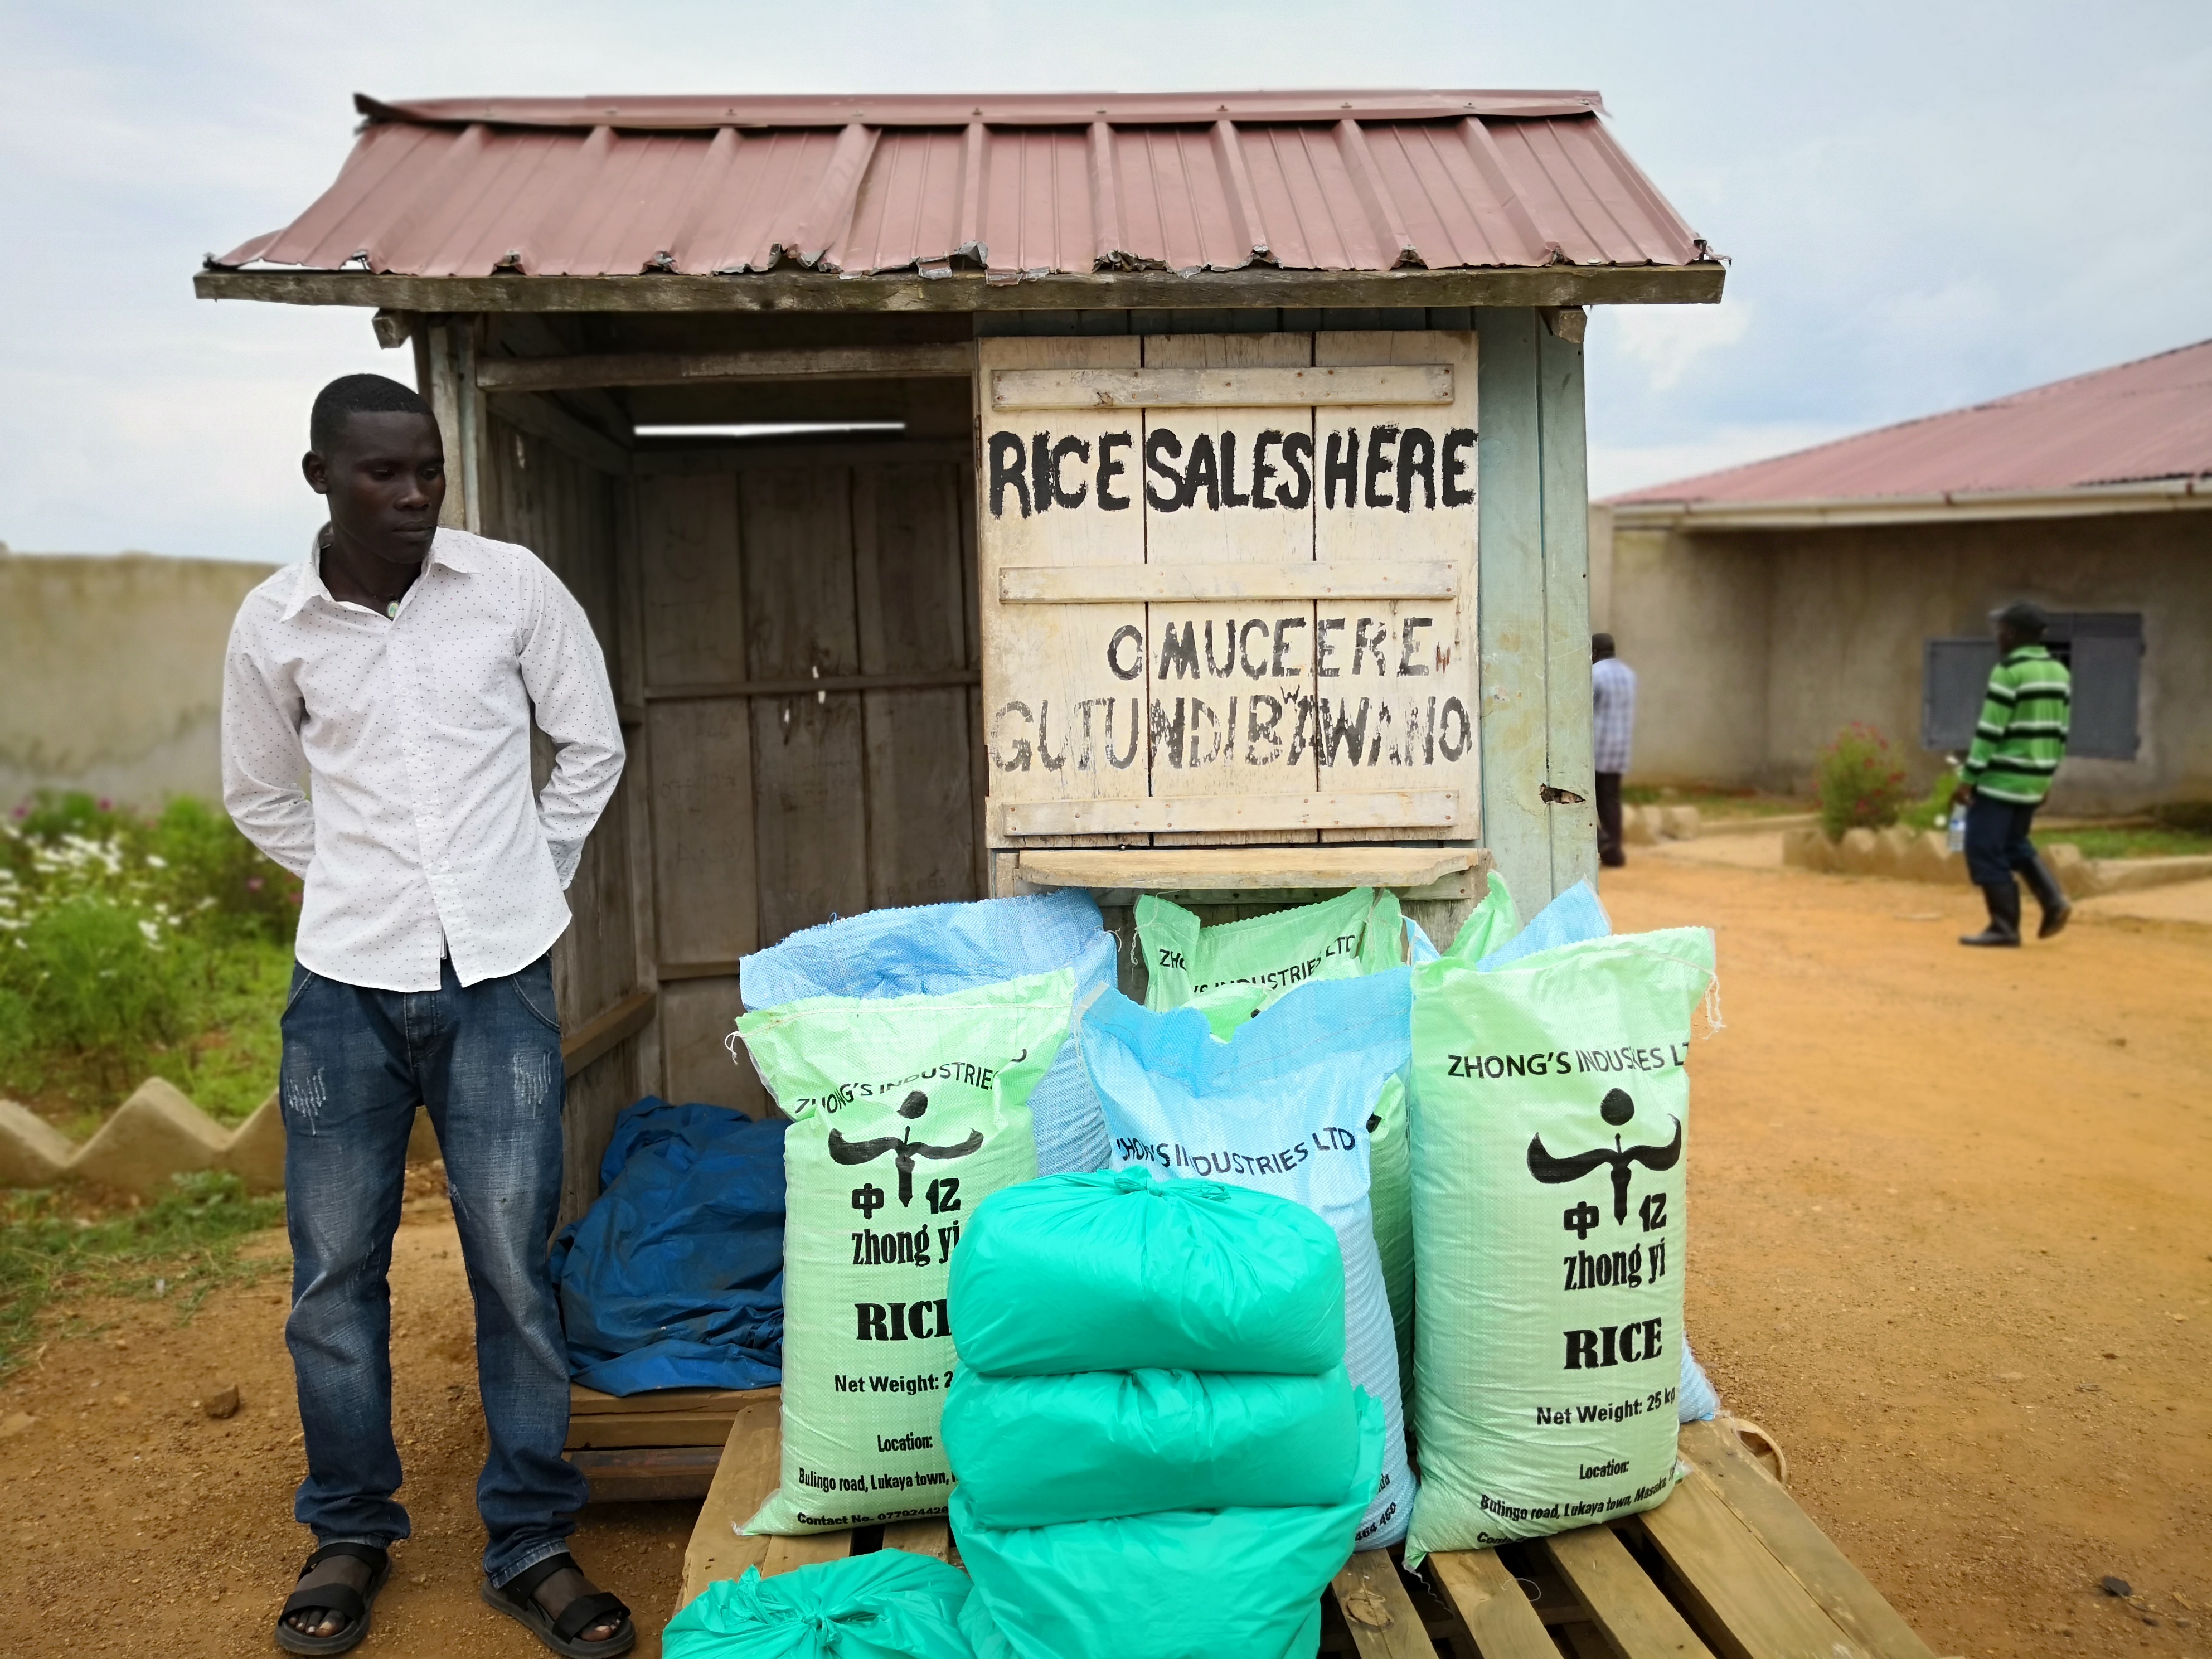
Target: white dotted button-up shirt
(423,837)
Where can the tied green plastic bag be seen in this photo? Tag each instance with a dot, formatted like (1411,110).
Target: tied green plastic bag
(1116,1271)
(906,1112)
(1038,1451)
(885,1605)
(1549,1127)
(1239,1584)
(1231,972)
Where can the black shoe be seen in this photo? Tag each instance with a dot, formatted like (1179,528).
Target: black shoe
(2045,884)
(2004,918)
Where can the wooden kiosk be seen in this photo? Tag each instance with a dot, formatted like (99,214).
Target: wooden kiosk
(1206,514)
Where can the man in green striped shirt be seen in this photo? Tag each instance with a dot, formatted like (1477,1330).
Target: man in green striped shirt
(2017,743)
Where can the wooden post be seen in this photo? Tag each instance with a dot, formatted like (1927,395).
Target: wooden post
(1567,607)
(459,406)
(1535,608)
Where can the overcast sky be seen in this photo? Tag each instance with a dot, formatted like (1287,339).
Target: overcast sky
(1925,204)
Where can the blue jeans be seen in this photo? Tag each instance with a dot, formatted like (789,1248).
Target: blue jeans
(486,1061)
(1997,840)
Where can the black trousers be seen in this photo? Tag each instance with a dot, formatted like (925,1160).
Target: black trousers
(1610,848)
(1997,840)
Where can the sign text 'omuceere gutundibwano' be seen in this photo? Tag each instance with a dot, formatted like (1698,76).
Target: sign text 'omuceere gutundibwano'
(1228,582)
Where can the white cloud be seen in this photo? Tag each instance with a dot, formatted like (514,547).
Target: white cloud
(1668,340)
(1617,468)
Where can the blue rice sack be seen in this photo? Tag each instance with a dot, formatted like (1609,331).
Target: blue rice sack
(1282,1107)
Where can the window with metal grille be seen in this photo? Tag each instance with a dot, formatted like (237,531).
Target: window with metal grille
(2102,649)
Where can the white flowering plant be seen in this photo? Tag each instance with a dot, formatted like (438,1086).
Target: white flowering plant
(130,944)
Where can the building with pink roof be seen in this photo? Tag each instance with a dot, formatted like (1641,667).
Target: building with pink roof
(1767,605)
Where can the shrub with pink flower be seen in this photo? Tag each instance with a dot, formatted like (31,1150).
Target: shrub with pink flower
(1860,782)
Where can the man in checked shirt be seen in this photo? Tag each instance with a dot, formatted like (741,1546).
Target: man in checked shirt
(397,669)
(1613,722)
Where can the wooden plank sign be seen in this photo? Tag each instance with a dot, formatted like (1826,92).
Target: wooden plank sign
(1197,591)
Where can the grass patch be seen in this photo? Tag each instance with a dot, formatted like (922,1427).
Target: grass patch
(1714,803)
(176,1250)
(2139,842)
(135,947)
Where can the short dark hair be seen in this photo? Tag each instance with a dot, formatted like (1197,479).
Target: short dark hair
(2031,622)
(1600,645)
(357,394)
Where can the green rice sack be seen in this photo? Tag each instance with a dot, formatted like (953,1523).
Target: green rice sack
(1238,1584)
(1231,972)
(906,1112)
(1116,1271)
(1550,1126)
(1039,1451)
(1492,924)
(1390,1191)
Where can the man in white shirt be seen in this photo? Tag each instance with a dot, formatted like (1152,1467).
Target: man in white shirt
(1613,724)
(398,669)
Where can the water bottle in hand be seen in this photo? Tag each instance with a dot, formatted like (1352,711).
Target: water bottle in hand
(1956,839)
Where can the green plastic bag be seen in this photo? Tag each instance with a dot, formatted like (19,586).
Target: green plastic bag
(1038,1451)
(1491,923)
(1549,1127)
(1231,972)
(1237,1583)
(906,1112)
(1116,1271)
(888,1604)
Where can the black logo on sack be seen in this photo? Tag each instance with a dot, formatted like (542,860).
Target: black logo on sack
(1617,1108)
(904,1149)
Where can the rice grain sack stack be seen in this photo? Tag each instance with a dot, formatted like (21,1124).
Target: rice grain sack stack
(906,1112)
(1550,1124)
(1283,1108)
(1230,972)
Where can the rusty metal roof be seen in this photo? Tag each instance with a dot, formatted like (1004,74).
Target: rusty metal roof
(2147,419)
(1021,187)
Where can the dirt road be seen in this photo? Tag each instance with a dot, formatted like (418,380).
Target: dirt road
(1951,1242)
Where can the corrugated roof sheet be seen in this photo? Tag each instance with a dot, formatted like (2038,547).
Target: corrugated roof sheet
(2140,421)
(1019,185)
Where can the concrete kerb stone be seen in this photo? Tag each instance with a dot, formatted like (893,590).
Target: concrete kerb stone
(1857,852)
(1926,856)
(1638,827)
(156,1134)
(32,1152)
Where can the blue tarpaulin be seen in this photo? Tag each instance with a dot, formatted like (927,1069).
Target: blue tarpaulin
(674,1278)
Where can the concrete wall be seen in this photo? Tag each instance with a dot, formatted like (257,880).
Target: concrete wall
(1753,649)
(113,670)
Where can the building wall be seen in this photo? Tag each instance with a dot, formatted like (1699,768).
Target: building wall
(113,670)
(1753,649)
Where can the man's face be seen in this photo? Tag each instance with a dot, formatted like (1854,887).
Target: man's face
(2007,637)
(385,479)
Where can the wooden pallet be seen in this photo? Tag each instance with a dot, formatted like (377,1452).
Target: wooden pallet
(1728,1568)
(663,1444)
(748,1472)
